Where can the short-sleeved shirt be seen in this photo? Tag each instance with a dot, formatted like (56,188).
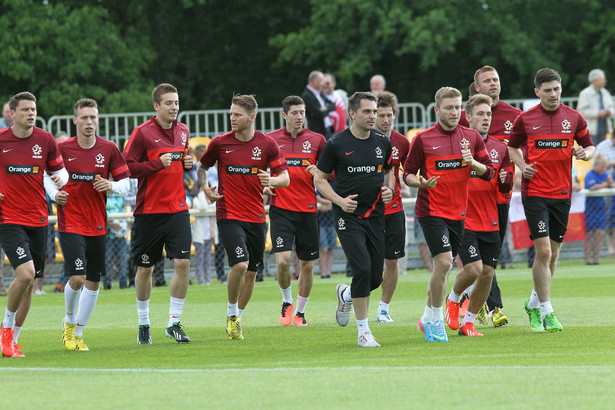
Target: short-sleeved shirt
(85,211)
(22,163)
(299,152)
(594,203)
(161,190)
(550,137)
(399,152)
(358,165)
(238,166)
(437,152)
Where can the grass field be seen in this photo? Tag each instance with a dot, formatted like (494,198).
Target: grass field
(320,366)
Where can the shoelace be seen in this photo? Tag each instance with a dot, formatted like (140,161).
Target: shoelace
(438,327)
(285,306)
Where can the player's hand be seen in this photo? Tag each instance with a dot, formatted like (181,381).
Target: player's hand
(529,171)
(428,183)
(325,206)
(57,180)
(348,204)
(311,169)
(264,177)
(386,194)
(503,175)
(166,159)
(62,198)
(211,194)
(102,185)
(269,191)
(579,153)
(467,156)
(188,160)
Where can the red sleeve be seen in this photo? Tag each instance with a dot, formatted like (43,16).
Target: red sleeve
(136,158)
(54,159)
(463,120)
(481,155)
(211,154)
(187,151)
(416,157)
(277,163)
(117,166)
(582,136)
(518,138)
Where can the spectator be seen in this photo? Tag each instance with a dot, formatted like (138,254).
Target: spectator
(6,120)
(340,98)
(117,244)
(203,233)
(318,106)
(595,210)
(377,83)
(596,106)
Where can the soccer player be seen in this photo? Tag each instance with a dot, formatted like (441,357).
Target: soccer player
(292,210)
(487,82)
(27,152)
(549,131)
(480,243)
(243,156)
(361,159)
(440,161)
(157,154)
(394,216)
(82,216)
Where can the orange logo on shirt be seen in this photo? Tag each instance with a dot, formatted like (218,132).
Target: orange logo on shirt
(254,170)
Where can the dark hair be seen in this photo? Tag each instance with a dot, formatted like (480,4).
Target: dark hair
(24,95)
(247,102)
(477,99)
(291,100)
(161,89)
(387,99)
(545,75)
(472,89)
(354,102)
(85,103)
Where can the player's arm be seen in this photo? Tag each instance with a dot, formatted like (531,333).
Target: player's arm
(52,190)
(583,153)
(203,181)
(388,187)
(321,183)
(142,167)
(59,177)
(281,180)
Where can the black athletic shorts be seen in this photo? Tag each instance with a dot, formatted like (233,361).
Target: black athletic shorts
(503,210)
(84,255)
(243,242)
(442,235)
(23,244)
(480,246)
(363,242)
(547,217)
(300,227)
(153,231)
(395,235)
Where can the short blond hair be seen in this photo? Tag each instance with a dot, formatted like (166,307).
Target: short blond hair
(446,92)
(477,99)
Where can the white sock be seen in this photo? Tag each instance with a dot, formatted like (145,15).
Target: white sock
(436,313)
(232,309)
(175,310)
(87,301)
(534,301)
(426,315)
(287,295)
(363,326)
(468,318)
(240,313)
(301,302)
(9,319)
(71,301)
(545,308)
(383,306)
(346,295)
(468,290)
(16,331)
(143,312)
(454,297)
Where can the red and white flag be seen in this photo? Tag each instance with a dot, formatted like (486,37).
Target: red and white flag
(521,232)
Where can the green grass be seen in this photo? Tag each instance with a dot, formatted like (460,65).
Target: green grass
(320,366)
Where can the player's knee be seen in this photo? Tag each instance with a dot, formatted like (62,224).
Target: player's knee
(543,254)
(283,264)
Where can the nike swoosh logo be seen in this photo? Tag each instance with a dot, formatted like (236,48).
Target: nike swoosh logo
(7,150)
(158,140)
(437,147)
(184,251)
(535,128)
(229,151)
(396,252)
(71,159)
(313,253)
(348,153)
(283,145)
(494,259)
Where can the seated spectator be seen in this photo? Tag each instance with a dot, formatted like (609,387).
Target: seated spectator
(595,210)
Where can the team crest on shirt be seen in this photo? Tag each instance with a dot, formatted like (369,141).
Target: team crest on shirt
(566,127)
(494,155)
(541,227)
(395,153)
(21,252)
(100,161)
(341,224)
(508,125)
(256,153)
(378,152)
(279,242)
(464,143)
(445,241)
(78,264)
(307,147)
(472,251)
(239,251)
(36,151)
